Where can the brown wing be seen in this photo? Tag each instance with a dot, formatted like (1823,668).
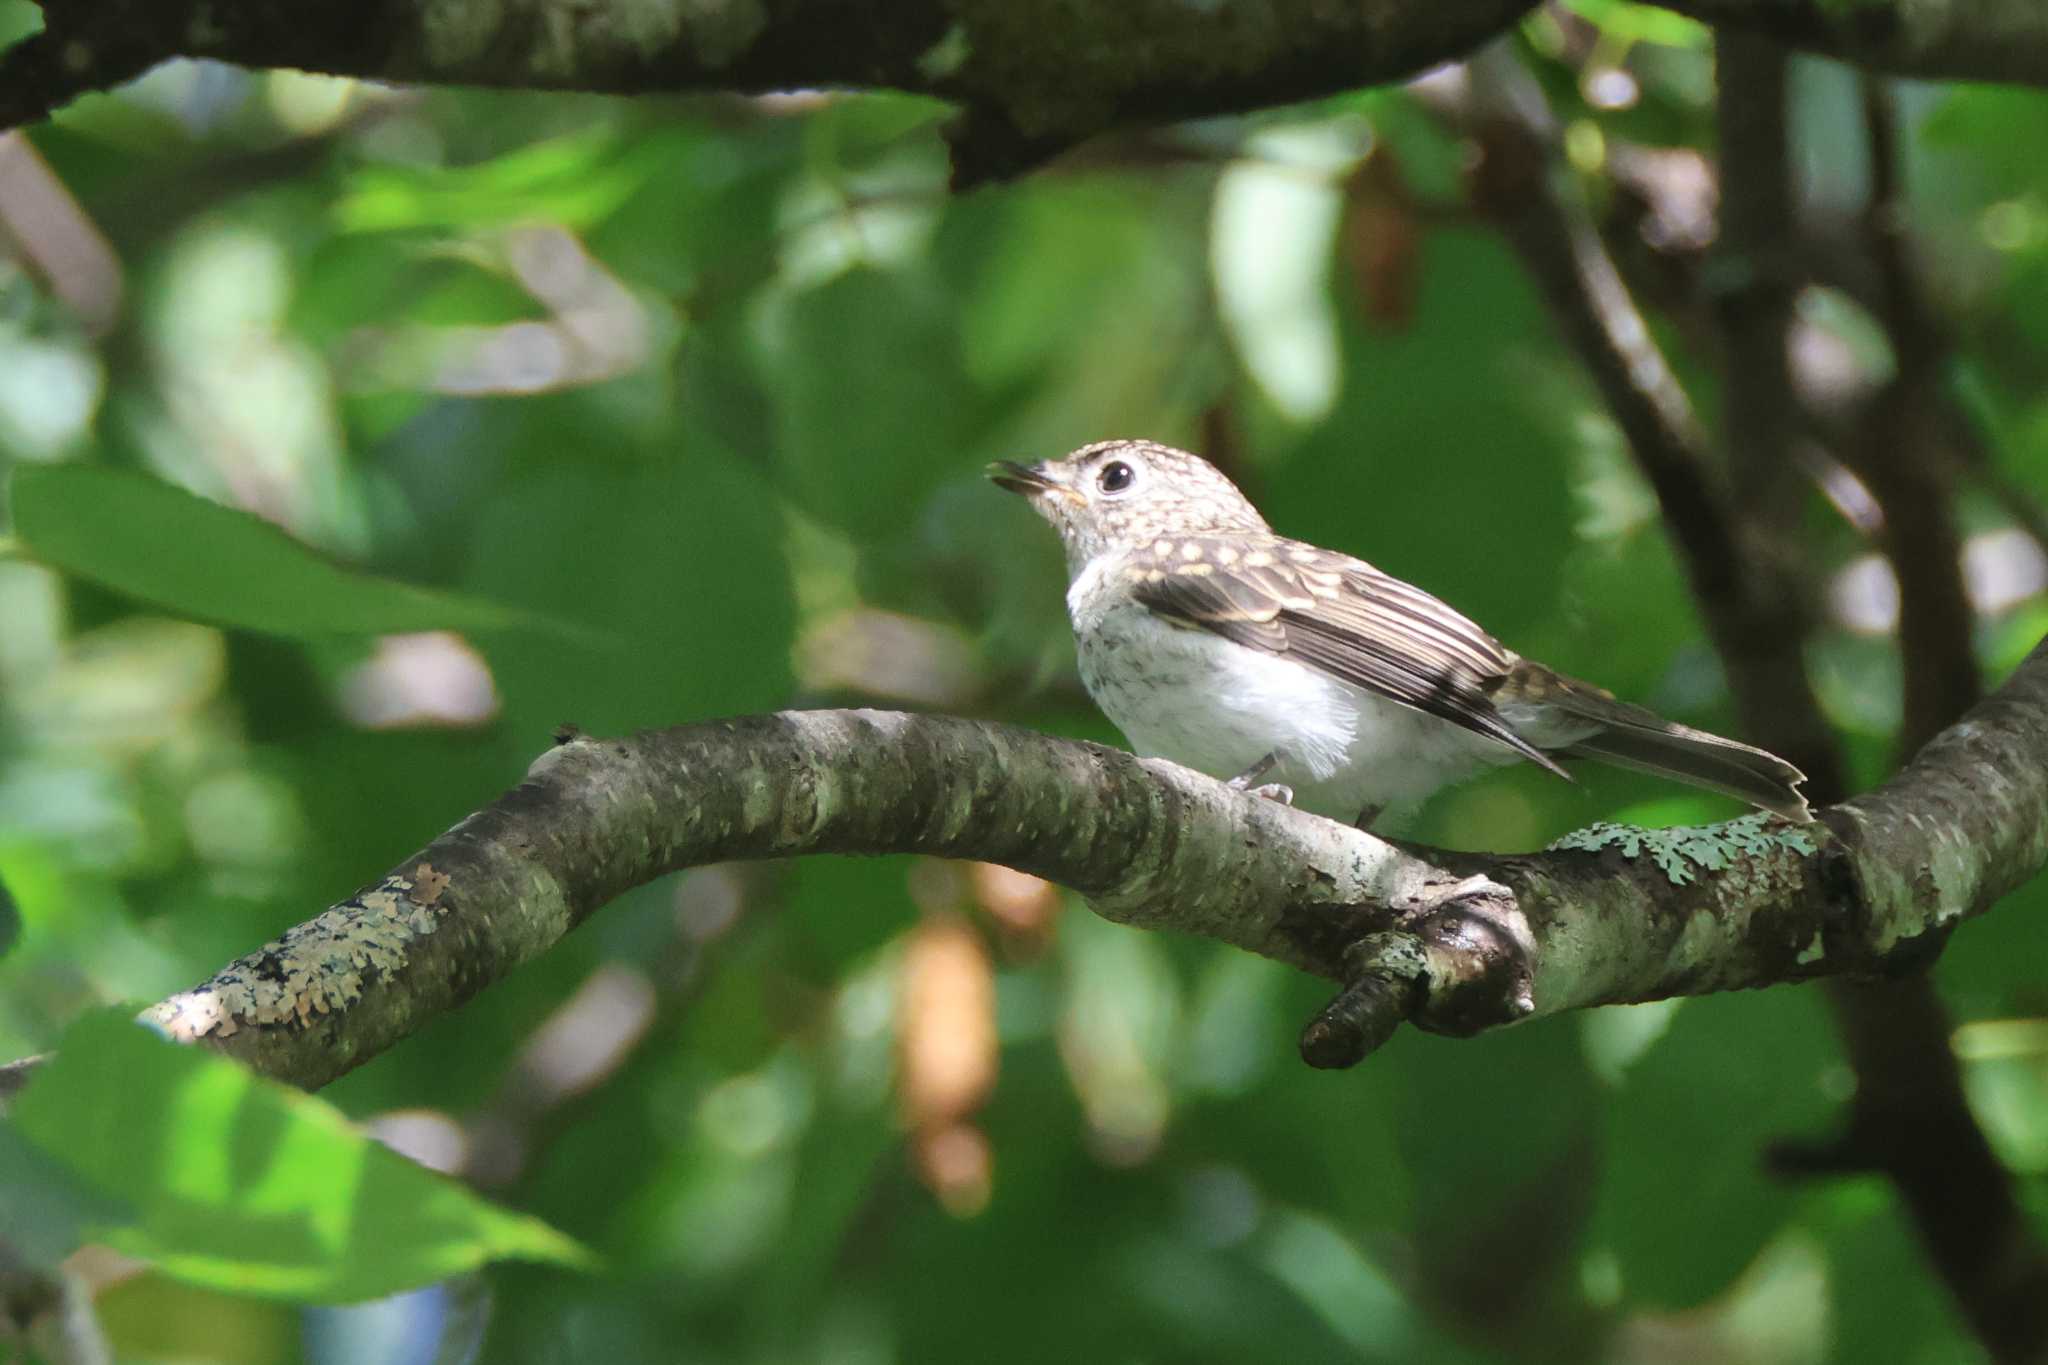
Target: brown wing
(1339,615)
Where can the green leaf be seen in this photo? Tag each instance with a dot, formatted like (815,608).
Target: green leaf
(18,19)
(246,1185)
(1458,379)
(164,545)
(577,180)
(678,563)
(44,1208)
(875,409)
(10,918)
(1686,1134)
(1634,23)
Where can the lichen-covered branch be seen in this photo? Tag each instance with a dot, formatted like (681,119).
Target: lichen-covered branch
(1454,942)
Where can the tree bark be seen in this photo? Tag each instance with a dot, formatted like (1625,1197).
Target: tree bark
(1033,76)
(1454,942)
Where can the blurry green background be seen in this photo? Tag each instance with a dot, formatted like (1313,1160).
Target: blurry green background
(686,401)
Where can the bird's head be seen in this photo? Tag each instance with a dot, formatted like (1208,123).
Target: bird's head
(1114,495)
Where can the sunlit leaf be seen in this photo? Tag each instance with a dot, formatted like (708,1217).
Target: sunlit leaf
(244,1184)
(576,180)
(1626,22)
(157,542)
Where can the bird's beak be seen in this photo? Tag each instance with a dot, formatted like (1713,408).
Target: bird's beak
(1032,480)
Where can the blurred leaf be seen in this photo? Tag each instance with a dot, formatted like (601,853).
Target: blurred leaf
(1996,128)
(854,127)
(839,1166)
(10,917)
(1497,1221)
(576,180)
(845,908)
(246,1185)
(1274,227)
(18,19)
(384,279)
(884,345)
(159,543)
(1442,462)
(1883,1304)
(1224,1306)
(1032,271)
(46,1210)
(1685,1202)
(152,1317)
(1991,967)
(1632,23)
(1628,622)
(678,562)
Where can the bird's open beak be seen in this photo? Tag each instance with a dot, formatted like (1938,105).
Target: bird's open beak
(1012,477)
(1032,480)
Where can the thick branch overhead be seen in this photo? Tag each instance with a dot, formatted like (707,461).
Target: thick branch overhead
(1984,40)
(1455,942)
(1032,75)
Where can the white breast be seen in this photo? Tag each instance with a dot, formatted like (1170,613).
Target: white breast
(1196,698)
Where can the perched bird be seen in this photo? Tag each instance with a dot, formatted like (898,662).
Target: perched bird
(1212,641)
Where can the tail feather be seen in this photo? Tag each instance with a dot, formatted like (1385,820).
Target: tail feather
(1584,721)
(1665,749)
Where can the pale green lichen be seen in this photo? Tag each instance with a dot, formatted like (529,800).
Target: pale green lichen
(1686,850)
(318,968)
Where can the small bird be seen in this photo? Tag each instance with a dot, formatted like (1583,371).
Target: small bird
(1212,641)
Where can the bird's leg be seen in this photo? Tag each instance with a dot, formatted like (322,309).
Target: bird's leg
(1244,780)
(1272,791)
(1368,815)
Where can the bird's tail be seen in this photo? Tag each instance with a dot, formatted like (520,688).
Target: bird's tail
(1632,737)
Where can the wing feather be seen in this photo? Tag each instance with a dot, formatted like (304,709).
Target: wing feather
(1344,617)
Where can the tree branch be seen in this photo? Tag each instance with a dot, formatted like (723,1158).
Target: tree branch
(1987,40)
(1523,184)
(1740,550)
(1910,1118)
(1034,75)
(1454,942)
(41,73)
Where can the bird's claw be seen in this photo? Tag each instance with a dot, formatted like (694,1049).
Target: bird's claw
(1274,791)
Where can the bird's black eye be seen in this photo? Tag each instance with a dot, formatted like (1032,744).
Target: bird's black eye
(1115,477)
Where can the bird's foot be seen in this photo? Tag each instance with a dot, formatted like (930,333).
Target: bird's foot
(1273,791)
(1246,780)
